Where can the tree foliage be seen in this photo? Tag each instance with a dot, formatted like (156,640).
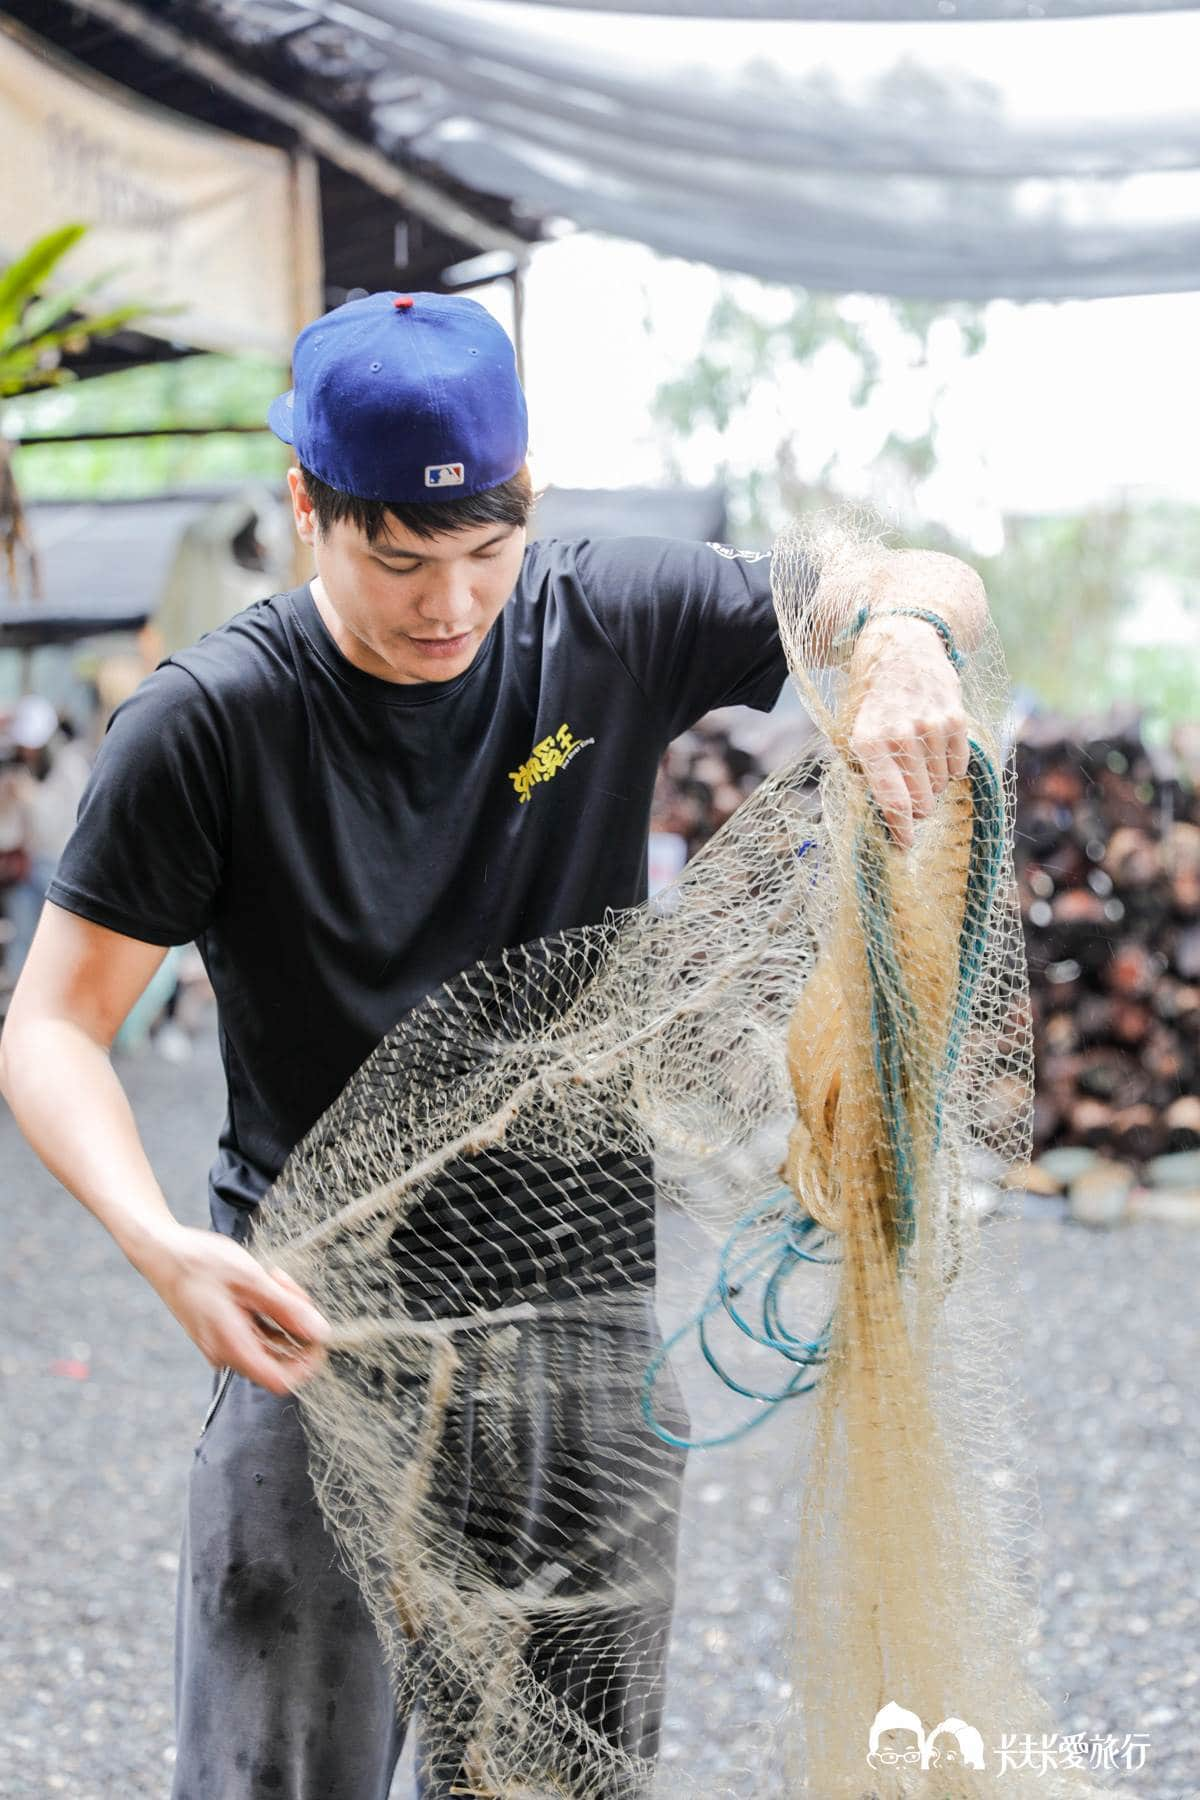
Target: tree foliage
(1061,588)
(747,355)
(206,392)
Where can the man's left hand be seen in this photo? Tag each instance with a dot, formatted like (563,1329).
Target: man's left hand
(910,728)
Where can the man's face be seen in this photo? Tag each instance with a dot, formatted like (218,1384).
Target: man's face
(406,608)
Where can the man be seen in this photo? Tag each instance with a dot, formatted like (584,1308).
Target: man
(443,745)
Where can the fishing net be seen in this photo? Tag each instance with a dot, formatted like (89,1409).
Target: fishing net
(653,1269)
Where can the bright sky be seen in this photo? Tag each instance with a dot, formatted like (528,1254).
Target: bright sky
(1069,404)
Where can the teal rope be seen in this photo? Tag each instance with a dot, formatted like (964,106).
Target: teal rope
(893,1015)
(796,1239)
(849,635)
(770,1262)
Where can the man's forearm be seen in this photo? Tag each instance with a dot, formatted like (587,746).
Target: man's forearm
(943,584)
(90,1140)
(241,1316)
(894,579)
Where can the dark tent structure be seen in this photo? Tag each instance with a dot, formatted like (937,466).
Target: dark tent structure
(448,135)
(362,213)
(930,178)
(287,78)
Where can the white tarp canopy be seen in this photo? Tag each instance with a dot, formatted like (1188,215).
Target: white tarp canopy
(187,216)
(932,148)
(989,150)
(881,11)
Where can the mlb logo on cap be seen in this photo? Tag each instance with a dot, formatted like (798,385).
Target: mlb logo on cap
(444,475)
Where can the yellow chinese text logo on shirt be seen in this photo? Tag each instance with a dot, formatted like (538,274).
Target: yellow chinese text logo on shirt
(551,755)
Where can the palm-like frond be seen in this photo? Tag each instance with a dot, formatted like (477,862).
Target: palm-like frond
(36,327)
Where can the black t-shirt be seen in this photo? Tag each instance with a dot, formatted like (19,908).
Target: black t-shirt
(338,845)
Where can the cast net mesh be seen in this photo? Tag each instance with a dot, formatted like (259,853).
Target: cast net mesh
(793,1059)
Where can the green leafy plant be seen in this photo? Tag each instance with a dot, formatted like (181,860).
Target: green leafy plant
(37,329)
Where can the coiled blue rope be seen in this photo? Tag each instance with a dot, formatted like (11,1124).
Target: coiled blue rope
(766,1265)
(763,1268)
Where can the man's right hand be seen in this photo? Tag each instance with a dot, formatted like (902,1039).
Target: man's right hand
(78,983)
(242,1316)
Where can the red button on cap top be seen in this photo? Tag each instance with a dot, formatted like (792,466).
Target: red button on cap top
(402,302)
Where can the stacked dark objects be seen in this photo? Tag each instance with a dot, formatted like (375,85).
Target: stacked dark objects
(1108,868)
(1108,864)
(704,777)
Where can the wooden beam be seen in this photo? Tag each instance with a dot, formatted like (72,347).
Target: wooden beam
(308,257)
(330,141)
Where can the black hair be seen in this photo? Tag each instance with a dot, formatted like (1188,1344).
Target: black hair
(509,504)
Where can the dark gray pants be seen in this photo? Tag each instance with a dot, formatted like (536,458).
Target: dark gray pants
(281,1686)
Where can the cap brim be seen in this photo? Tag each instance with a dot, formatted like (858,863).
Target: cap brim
(279,416)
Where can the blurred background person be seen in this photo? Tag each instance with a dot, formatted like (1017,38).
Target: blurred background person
(43,785)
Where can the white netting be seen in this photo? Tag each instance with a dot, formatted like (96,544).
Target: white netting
(794,1057)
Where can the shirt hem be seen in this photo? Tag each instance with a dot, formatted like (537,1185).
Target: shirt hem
(99,912)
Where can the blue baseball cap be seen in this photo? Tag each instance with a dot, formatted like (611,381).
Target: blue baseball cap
(405,397)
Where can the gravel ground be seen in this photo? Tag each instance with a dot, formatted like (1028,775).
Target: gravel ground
(105,1396)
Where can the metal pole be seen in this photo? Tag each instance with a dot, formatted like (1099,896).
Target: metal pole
(308,284)
(518,294)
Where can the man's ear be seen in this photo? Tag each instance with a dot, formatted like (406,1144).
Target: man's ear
(302,508)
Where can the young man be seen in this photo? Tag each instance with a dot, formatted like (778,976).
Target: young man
(443,745)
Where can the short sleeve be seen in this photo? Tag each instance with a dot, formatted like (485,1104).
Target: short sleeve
(147,853)
(693,623)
